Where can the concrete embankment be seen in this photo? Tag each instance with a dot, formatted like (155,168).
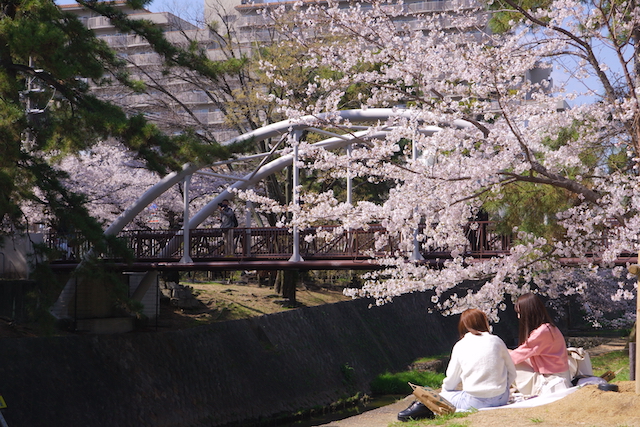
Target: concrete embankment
(221,373)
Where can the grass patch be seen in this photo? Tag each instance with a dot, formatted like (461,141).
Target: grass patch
(388,383)
(616,361)
(431,358)
(451,420)
(397,383)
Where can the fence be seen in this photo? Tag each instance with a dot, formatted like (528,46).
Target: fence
(327,242)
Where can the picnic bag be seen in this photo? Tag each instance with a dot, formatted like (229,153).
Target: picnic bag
(432,400)
(579,363)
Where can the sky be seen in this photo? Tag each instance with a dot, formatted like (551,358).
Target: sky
(192,8)
(158,5)
(173,5)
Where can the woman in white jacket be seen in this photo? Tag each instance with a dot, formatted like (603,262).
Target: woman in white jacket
(480,363)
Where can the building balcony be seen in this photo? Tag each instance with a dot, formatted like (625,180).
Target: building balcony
(124,41)
(98,22)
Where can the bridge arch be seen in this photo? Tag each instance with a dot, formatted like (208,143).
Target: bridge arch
(279,129)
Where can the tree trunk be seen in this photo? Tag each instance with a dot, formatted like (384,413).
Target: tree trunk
(285,285)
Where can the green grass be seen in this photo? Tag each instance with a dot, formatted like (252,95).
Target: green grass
(431,358)
(616,361)
(397,383)
(451,420)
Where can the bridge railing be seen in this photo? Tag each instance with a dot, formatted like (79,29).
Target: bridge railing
(275,243)
(258,242)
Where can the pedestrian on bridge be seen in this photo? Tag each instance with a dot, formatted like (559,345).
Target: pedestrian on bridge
(228,221)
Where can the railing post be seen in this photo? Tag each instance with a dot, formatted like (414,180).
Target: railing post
(415,255)
(186,247)
(349,200)
(246,245)
(356,242)
(295,257)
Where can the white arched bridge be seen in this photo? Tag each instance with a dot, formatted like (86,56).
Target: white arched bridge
(263,248)
(271,248)
(197,248)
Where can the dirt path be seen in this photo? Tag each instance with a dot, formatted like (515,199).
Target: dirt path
(587,407)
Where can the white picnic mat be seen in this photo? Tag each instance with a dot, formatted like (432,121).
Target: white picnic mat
(539,400)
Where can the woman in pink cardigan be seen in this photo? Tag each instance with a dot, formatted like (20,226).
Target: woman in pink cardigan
(542,364)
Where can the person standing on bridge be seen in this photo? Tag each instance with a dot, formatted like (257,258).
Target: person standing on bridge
(228,222)
(541,360)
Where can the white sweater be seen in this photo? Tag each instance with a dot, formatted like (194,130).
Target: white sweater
(482,363)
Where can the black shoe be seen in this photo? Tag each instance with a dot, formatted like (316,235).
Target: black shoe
(416,411)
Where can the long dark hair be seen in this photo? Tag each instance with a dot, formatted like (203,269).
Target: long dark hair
(474,321)
(532,313)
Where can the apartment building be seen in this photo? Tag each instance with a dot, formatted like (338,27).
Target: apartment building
(252,25)
(178,100)
(175,100)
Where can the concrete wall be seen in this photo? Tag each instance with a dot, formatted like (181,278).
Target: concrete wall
(15,253)
(150,300)
(90,303)
(13,300)
(218,374)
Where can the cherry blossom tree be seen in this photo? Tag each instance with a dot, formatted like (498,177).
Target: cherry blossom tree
(111,179)
(49,59)
(513,138)
(211,62)
(51,65)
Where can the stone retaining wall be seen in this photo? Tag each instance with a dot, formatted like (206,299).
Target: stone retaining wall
(220,374)
(13,300)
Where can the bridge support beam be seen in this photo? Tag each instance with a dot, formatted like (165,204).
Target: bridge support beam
(415,255)
(186,247)
(149,279)
(349,178)
(296,200)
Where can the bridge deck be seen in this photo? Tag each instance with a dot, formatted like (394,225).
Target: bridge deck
(271,248)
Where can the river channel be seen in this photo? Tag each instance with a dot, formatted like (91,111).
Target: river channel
(318,420)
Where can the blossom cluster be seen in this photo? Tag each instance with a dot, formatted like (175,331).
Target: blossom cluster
(499,131)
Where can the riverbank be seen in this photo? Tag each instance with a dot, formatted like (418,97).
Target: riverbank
(177,374)
(586,407)
(206,375)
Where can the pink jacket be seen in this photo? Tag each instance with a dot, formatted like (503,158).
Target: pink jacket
(545,350)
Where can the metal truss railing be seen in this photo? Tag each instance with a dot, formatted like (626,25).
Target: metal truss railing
(326,242)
